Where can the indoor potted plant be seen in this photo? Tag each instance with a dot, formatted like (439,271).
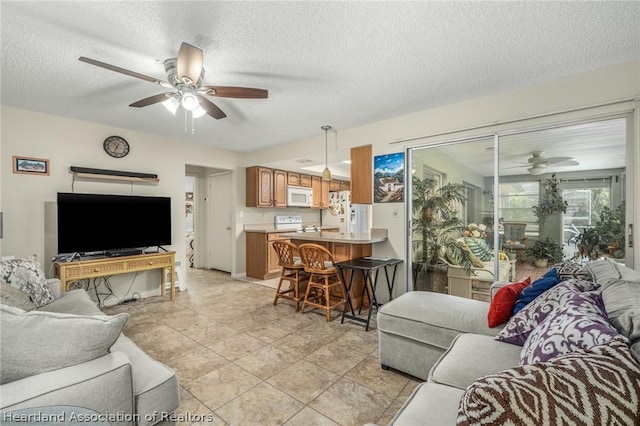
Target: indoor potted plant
(544,251)
(551,201)
(436,225)
(610,228)
(587,243)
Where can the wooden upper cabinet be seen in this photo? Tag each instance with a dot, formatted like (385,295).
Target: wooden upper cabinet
(279,188)
(324,194)
(265,187)
(316,187)
(259,187)
(335,185)
(345,185)
(362,175)
(305,181)
(293,179)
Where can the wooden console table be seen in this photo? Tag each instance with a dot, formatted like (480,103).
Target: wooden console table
(69,272)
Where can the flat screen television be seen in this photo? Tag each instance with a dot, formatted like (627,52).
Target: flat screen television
(95,222)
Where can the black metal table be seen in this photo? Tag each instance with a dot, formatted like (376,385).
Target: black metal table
(368,266)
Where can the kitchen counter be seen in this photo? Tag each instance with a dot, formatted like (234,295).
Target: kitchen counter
(375,236)
(269,228)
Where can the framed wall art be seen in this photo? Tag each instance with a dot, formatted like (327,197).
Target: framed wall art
(30,165)
(388,178)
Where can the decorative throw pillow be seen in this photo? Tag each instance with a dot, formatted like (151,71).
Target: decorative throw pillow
(27,276)
(522,323)
(11,296)
(36,342)
(536,288)
(479,247)
(558,391)
(570,270)
(622,303)
(501,307)
(581,324)
(602,270)
(455,258)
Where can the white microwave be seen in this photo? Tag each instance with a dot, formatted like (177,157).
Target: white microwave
(298,196)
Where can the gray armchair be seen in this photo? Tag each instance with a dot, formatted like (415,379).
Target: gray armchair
(514,238)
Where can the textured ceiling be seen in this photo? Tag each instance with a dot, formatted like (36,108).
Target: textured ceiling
(340,63)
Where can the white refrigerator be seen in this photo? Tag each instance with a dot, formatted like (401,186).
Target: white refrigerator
(348,218)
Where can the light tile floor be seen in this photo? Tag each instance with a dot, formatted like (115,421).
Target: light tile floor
(243,361)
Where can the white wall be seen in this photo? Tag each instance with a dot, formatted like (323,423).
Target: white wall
(66,143)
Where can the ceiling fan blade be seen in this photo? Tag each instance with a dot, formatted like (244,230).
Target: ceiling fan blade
(124,71)
(565,163)
(189,64)
(235,92)
(151,100)
(556,160)
(211,108)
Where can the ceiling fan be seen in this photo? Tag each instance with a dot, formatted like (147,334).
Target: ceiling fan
(184,75)
(537,163)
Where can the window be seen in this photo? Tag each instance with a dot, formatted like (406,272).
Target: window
(585,199)
(516,200)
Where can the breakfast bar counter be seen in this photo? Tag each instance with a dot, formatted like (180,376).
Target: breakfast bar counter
(375,236)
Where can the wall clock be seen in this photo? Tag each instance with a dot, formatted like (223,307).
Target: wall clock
(116,146)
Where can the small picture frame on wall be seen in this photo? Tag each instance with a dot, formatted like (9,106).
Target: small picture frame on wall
(188,196)
(30,165)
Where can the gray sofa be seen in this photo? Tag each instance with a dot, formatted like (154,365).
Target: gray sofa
(445,341)
(123,384)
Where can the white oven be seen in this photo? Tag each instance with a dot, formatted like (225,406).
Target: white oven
(298,196)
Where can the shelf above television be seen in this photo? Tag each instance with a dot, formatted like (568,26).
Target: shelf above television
(111,177)
(88,173)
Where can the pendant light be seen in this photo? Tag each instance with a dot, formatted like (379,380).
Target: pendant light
(326,174)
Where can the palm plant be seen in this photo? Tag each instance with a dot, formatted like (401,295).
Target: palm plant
(435,219)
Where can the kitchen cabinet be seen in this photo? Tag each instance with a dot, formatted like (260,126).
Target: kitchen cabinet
(266,187)
(293,179)
(305,181)
(334,185)
(262,259)
(345,185)
(362,175)
(320,193)
(279,188)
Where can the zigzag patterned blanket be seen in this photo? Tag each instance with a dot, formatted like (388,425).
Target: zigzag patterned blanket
(597,386)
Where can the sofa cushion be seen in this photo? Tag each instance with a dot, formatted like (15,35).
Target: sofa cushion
(580,324)
(27,276)
(501,307)
(433,318)
(455,257)
(521,324)
(622,304)
(536,288)
(569,270)
(75,302)
(11,296)
(602,270)
(471,356)
(430,403)
(36,342)
(605,379)
(155,386)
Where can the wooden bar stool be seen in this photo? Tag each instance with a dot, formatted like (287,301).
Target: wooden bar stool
(325,289)
(292,270)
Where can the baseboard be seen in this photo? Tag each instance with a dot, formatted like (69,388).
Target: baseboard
(238,276)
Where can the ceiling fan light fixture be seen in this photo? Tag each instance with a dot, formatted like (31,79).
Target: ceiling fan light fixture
(536,170)
(198,112)
(189,101)
(326,173)
(171,104)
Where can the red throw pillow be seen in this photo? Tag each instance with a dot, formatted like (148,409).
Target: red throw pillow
(501,307)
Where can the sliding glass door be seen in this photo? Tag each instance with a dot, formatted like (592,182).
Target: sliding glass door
(484,196)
